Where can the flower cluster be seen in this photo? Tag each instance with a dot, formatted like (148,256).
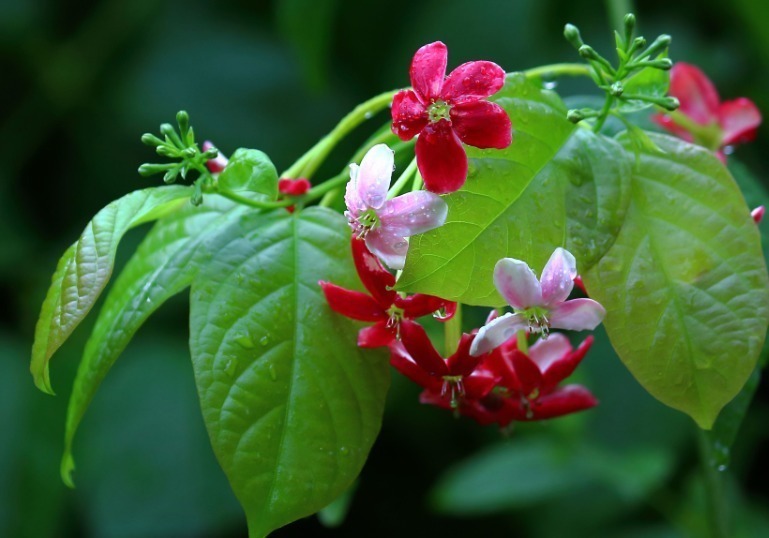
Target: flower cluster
(702,117)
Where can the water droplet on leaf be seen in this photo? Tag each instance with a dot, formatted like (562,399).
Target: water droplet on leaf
(245,341)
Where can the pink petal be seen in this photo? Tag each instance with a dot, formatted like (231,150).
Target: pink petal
(699,98)
(517,283)
(472,81)
(413,213)
(353,304)
(569,399)
(558,276)
(739,120)
(577,315)
(409,115)
(667,123)
(389,247)
(374,277)
(352,199)
(417,343)
(550,350)
(497,332)
(563,368)
(218,163)
(482,124)
(758,214)
(441,158)
(378,335)
(428,69)
(374,175)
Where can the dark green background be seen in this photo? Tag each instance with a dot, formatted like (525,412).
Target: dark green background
(81,81)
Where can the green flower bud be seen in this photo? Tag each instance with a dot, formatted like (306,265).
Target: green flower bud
(183,119)
(616,89)
(629,26)
(150,169)
(659,45)
(170,176)
(571,33)
(669,103)
(575,116)
(151,140)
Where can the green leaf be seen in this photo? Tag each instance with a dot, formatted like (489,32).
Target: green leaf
(86,266)
(556,185)
(648,82)
(162,266)
(291,404)
(250,170)
(685,285)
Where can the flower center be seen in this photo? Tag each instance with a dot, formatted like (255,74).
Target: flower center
(453,386)
(437,111)
(537,319)
(363,223)
(396,315)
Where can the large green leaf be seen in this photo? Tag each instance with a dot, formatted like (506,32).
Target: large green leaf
(162,266)
(252,171)
(685,284)
(556,185)
(291,404)
(86,266)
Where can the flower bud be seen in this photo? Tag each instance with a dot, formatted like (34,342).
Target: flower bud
(183,119)
(660,44)
(669,103)
(575,116)
(629,26)
(758,214)
(149,169)
(616,89)
(151,140)
(571,33)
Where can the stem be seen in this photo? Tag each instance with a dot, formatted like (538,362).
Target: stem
(254,203)
(714,489)
(308,163)
(402,180)
(452,332)
(522,339)
(617,10)
(603,114)
(557,70)
(417,185)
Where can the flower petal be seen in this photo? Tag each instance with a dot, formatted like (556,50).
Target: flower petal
(352,199)
(577,315)
(461,362)
(563,368)
(353,304)
(497,332)
(441,158)
(500,365)
(378,335)
(409,115)
(517,283)
(696,93)
(374,175)
(739,120)
(482,124)
(404,363)
(375,278)
(472,81)
(548,351)
(413,213)
(478,386)
(569,399)
(419,304)
(667,123)
(557,278)
(428,69)
(527,372)
(417,343)
(389,247)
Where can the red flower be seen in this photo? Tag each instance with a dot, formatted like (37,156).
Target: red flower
(293,187)
(217,164)
(446,111)
(386,307)
(712,123)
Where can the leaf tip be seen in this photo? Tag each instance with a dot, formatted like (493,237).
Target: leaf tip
(43,380)
(66,469)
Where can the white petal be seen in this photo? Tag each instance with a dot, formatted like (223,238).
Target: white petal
(413,213)
(374,175)
(546,351)
(495,333)
(577,315)
(517,283)
(389,247)
(558,277)
(354,203)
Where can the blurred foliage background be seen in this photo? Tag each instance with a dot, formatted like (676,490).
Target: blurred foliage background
(81,81)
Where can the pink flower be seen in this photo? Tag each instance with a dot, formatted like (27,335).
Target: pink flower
(539,305)
(384,306)
(385,224)
(758,214)
(716,123)
(293,187)
(446,111)
(218,163)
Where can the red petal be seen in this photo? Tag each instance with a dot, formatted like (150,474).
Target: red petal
(499,364)
(378,335)
(409,115)
(374,276)
(739,120)
(527,372)
(472,81)
(563,368)
(441,158)
(418,305)
(478,386)
(482,124)
(404,363)
(294,187)
(667,123)
(420,348)
(461,362)
(569,399)
(428,69)
(353,304)
(699,98)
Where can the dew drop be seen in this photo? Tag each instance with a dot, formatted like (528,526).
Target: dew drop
(245,341)
(368,115)
(720,457)
(400,244)
(273,372)
(230,367)
(344,451)
(549,84)
(264,340)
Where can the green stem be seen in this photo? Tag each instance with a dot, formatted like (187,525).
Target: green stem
(402,180)
(714,488)
(523,341)
(452,332)
(558,70)
(417,185)
(308,163)
(604,113)
(255,203)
